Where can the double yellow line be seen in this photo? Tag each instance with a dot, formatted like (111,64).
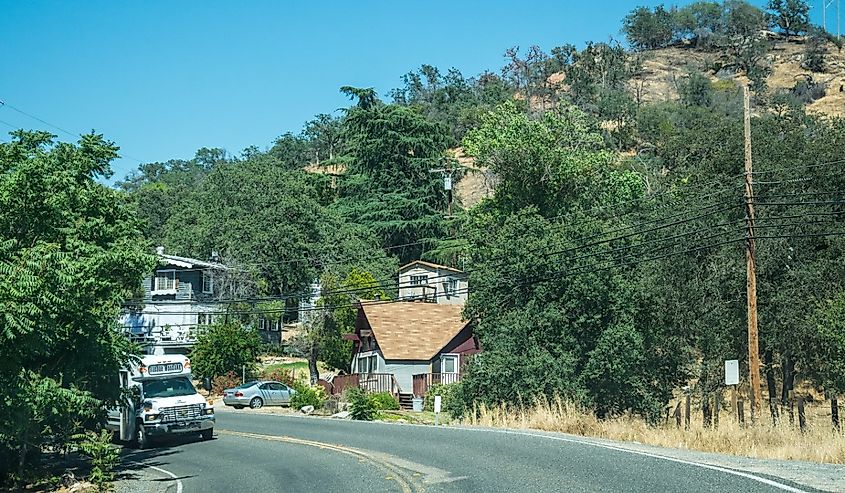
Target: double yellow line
(393,472)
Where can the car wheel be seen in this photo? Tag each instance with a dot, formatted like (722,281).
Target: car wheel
(238,407)
(142,439)
(207,434)
(256,403)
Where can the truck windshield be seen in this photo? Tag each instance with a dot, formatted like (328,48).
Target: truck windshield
(168,387)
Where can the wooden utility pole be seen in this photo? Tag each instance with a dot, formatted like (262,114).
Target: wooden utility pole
(751,266)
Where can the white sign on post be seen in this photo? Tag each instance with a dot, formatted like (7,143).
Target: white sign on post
(731,372)
(436,403)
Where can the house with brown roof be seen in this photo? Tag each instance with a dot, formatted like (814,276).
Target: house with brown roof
(404,347)
(421,280)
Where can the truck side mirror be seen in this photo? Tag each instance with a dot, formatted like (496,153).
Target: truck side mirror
(206,383)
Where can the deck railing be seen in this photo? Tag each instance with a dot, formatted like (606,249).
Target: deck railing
(371,382)
(424,381)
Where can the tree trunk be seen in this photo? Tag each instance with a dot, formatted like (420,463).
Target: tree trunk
(788,379)
(312,364)
(772,385)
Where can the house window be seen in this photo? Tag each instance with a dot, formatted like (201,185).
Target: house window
(449,363)
(207,282)
(367,364)
(165,280)
(419,280)
(451,287)
(204,319)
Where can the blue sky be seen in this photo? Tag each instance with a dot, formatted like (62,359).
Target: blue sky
(163,79)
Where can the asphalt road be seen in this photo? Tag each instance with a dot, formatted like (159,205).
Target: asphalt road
(265,452)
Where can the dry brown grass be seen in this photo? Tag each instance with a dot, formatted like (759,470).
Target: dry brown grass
(818,444)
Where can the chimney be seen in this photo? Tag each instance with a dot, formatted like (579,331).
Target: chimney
(160,250)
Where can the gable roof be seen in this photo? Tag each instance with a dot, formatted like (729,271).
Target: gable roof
(429,265)
(408,330)
(187,262)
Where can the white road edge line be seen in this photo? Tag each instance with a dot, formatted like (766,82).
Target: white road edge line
(769,482)
(163,471)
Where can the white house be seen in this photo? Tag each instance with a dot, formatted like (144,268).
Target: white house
(178,297)
(420,280)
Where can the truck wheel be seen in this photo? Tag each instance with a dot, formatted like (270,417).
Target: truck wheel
(207,434)
(256,403)
(142,439)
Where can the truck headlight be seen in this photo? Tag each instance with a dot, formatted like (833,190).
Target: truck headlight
(208,411)
(152,417)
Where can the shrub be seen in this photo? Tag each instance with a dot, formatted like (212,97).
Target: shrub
(224,348)
(307,395)
(450,398)
(227,381)
(385,401)
(362,406)
(284,375)
(647,29)
(104,457)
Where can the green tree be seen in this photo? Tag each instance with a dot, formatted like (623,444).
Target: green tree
(648,29)
(790,16)
(225,347)
(71,253)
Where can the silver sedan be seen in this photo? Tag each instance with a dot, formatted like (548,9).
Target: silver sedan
(257,394)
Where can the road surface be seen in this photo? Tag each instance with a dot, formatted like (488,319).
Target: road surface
(266,452)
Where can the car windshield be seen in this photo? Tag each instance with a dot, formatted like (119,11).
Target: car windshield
(246,385)
(169,387)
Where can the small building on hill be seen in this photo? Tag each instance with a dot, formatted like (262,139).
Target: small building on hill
(420,280)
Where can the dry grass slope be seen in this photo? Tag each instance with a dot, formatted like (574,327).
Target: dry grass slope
(818,444)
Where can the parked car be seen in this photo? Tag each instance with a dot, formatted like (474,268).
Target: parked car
(257,394)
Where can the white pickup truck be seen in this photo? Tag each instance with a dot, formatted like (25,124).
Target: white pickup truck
(160,400)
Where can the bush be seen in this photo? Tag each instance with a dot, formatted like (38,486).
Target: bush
(104,457)
(450,398)
(223,382)
(647,30)
(385,401)
(224,348)
(362,406)
(307,395)
(284,375)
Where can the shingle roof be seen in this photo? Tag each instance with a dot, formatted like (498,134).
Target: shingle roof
(413,330)
(427,264)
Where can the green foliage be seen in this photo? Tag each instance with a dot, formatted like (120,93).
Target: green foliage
(229,380)
(225,347)
(451,400)
(815,51)
(71,252)
(362,405)
(790,16)
(696,90)
(824,340)
(307,395)
(648,29)
(104,457)
(385,401)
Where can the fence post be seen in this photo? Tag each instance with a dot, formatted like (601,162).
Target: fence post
(706,410)
(802,418)
(687,416)
(740,412)
(677,414)
(834,412)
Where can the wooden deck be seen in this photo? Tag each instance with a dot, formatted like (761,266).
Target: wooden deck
(424,381)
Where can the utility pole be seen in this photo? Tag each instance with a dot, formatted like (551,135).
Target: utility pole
(751,266)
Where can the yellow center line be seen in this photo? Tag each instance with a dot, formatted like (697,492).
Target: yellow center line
(394,473)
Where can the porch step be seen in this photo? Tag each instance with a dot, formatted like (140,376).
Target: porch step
(406,401)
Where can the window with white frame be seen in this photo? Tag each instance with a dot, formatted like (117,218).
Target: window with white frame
(449,363)
(204,318)
(419,280)
(165,280)
(367,364)
(207,282)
